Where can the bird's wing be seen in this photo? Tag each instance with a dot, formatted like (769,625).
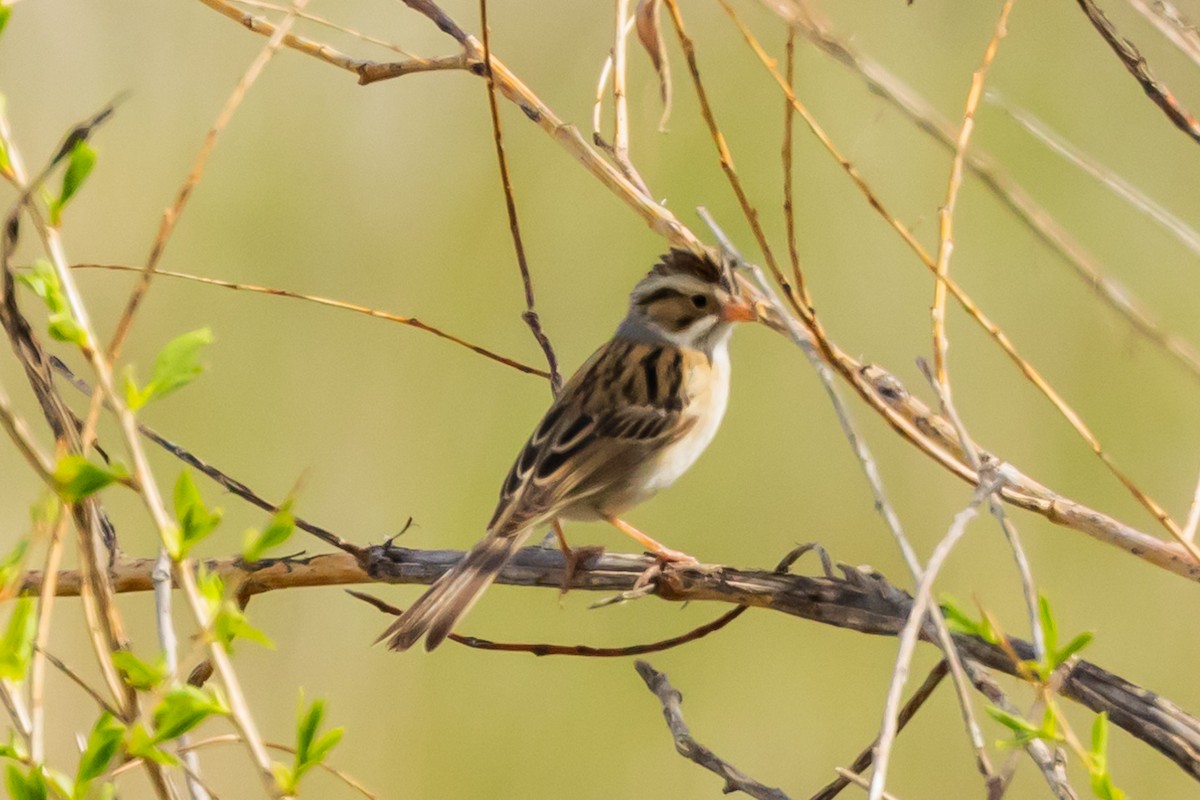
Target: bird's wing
(625,403)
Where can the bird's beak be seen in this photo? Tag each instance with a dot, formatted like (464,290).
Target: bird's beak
(739,309)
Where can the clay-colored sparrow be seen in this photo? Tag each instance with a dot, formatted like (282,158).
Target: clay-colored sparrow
(634,417)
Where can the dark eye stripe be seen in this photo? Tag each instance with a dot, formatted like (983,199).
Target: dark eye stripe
(659,294)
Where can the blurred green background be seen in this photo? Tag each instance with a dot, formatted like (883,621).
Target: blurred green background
(388,196)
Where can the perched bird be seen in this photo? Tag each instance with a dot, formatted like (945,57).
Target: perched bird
(633,419)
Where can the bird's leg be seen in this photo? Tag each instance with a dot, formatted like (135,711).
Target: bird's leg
(574,556)
(660,550)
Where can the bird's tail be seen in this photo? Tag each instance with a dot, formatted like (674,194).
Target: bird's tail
(437,611)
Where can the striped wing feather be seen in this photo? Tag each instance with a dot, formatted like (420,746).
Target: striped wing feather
(623,404)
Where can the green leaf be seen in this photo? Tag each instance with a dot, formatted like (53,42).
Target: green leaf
(212,588)
(1102,787)
(1013,722)
(140,744)
(173,542)
(1072,647)
(22,786)
(77,477)
(102,745)
(16,647)
(1049,628)
(11,564)
(5,13)
(137,673)
(278,530)
(64,328)
(311,749)
(195,520)
(42,280)
(79,166)
(959,621)
(230,623)
(176,366)
(182,709)
(1099,752)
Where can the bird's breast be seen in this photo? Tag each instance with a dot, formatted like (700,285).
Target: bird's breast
(707,386)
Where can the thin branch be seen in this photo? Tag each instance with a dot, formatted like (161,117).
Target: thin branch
(73,676)
(1172,24)
(578,650)
(530,316)
(960,295)
(991,174)
(45,610)
(859,601)
(147,488)
(412,322)
(1181,230)
(859,780)
(328,23)
(1131,58)
(789,211)
(16,429)
(908,640)
(946,213)
(867,756)
(723,154)
(606,70)
(689,748)
(227,481)
(324,52)
(620,147)
(1052,768)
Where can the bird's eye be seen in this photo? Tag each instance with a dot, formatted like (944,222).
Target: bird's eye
(699,300)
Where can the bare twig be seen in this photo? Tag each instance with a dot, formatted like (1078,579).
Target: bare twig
(620,146)
(1133,61)
(1172,24)
(864,759)
(991,174)
(973,310)
(789,211)
(324,301)
(45,609)
(16,429)
(689,748)
(147,488)
(1181,230)
(860,601)
(580,650)
(530,316)
(73,676)
(1051,767)
(946,213)
(230,483)
(908,639)
(859,780)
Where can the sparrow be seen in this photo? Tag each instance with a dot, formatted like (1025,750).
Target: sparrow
(628,423)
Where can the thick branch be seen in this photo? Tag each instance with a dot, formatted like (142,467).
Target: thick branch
(861,602)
